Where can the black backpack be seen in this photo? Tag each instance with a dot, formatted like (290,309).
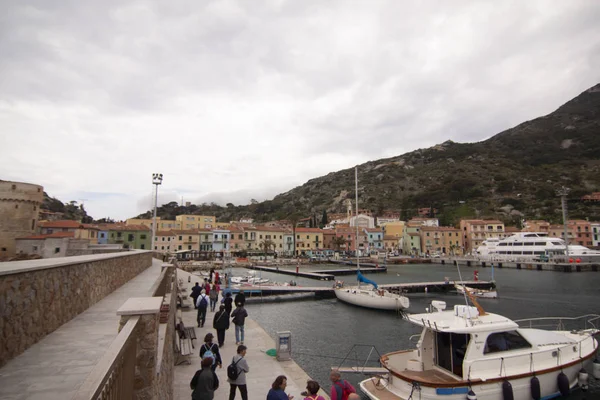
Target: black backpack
(232,370)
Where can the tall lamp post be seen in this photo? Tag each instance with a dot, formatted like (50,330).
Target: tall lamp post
(156,180)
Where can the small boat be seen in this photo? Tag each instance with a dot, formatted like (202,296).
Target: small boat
(487,294)
(379,299)
(467,353)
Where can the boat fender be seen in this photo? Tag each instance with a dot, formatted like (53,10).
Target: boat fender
(563,384)
(471,395)
(583,378)
(596,369)
(507,391)
(536,391)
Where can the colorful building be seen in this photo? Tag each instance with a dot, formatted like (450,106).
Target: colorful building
(475,231)
(221,238)
(374,239)
(81,231)
(186,240)
(308,239)
(164,241)
(196,221)
(441,240)
(411,240)
(130,236)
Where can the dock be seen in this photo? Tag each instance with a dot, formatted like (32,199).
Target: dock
(327,292)
(324,275)
(525,264)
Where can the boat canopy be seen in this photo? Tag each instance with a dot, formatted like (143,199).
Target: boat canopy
(361,278)
(462,320)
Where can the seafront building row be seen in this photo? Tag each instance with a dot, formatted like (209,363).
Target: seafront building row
(23,234)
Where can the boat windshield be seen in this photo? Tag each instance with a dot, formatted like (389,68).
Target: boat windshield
(505,341)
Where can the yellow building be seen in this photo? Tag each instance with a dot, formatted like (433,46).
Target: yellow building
(161,224)
(222,225)
(187,221)
(186,240)
(308,239)
(273,234)
(441,240)
(395,229)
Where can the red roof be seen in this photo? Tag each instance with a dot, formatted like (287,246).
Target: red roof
(62,224)
(309,230)
(125,228)
(50,235)
(373,230)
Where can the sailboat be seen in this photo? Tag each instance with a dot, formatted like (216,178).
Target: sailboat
(368,296)
(484,293)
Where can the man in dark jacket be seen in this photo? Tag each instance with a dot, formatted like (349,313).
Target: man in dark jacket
(228,301)
(221,324)
(196,293)
(239,318)
(205,382)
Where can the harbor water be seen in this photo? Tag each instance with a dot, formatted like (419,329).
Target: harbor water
(328,333)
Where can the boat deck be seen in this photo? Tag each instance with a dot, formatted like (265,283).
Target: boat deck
(379,391)
(430,377)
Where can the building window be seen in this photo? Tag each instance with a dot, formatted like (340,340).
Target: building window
(180,237)
(16,206)
(142,246)
(130,237)
(14,187)
(102,235)
(179,247)
(4,249)
(142,237)
(56,250)
(35,248)
(32,224)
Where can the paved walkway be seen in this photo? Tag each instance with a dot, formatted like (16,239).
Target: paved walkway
(263,368)
(54,367)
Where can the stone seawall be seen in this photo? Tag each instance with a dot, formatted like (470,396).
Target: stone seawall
(38,296)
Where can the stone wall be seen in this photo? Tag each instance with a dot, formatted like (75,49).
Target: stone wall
(166,372)
(38,296)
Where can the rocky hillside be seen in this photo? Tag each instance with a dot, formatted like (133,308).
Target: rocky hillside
(511,176)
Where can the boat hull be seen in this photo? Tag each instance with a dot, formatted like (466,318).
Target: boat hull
(371,299)
(401,389)
(486,294)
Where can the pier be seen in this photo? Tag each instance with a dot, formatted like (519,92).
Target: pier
(325,275)
(525,264)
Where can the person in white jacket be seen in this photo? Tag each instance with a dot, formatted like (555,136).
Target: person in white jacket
(202,306)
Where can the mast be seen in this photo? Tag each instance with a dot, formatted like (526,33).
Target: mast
(356,216)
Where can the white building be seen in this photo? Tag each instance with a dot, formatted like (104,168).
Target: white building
(595,233)
(362,221)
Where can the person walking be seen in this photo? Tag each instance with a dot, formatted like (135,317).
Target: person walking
(241,366)
(239,318)
(221,324)
(277,391)
(312,391)
(205,382)
(196,290)
(340,388)
(202,305)
(228,302)
(210,349)
(214,296)
(240,298)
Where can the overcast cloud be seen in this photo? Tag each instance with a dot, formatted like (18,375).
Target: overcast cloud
(233,100)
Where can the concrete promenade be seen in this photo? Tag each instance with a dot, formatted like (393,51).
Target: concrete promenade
(263,368)
(55,367)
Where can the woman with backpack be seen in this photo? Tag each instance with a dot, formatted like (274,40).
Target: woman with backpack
(236,373)
(211,350)
(205,382)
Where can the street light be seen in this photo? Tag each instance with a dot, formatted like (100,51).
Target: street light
(156,180)
(563,192)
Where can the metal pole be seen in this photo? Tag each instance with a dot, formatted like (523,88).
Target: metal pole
(154,215)
(356,216)
(563,199)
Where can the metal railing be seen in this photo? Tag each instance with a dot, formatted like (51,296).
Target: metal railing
(583,322)
(113,377)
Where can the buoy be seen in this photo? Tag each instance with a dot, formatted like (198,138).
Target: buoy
(563,384)
(583,379)
(471,395)
(507,391)
(596,369)
(536,391)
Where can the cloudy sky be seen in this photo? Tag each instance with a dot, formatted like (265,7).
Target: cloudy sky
(233,100)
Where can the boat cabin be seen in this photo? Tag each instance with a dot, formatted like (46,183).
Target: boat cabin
(452,341)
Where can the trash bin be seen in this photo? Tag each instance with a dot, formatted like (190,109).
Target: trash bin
(284,345)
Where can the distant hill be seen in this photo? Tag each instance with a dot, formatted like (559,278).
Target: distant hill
(59,210)
(511,176)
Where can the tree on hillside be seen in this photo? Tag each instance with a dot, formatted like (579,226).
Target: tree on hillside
(324,220)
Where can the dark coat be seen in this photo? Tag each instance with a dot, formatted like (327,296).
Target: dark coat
(228,304)
(196,290)
(221,320)
(240,298)
(204,383)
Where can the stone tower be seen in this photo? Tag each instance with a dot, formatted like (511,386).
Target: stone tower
(19,210)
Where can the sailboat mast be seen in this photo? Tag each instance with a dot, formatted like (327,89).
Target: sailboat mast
(356,215)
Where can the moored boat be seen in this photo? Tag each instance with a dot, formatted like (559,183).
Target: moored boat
(484,293)
(468,353)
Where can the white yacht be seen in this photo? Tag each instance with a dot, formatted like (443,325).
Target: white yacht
(466,353)
(530,246)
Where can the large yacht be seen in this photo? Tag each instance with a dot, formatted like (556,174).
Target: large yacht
(530,246)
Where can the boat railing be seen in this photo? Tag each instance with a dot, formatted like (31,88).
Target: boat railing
(528,359)
(583,322)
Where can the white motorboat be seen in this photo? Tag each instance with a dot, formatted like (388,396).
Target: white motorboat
(374,297)
(468,353)
(531,246)
(484,293)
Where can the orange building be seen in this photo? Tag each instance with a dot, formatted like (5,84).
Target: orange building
(475,231)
